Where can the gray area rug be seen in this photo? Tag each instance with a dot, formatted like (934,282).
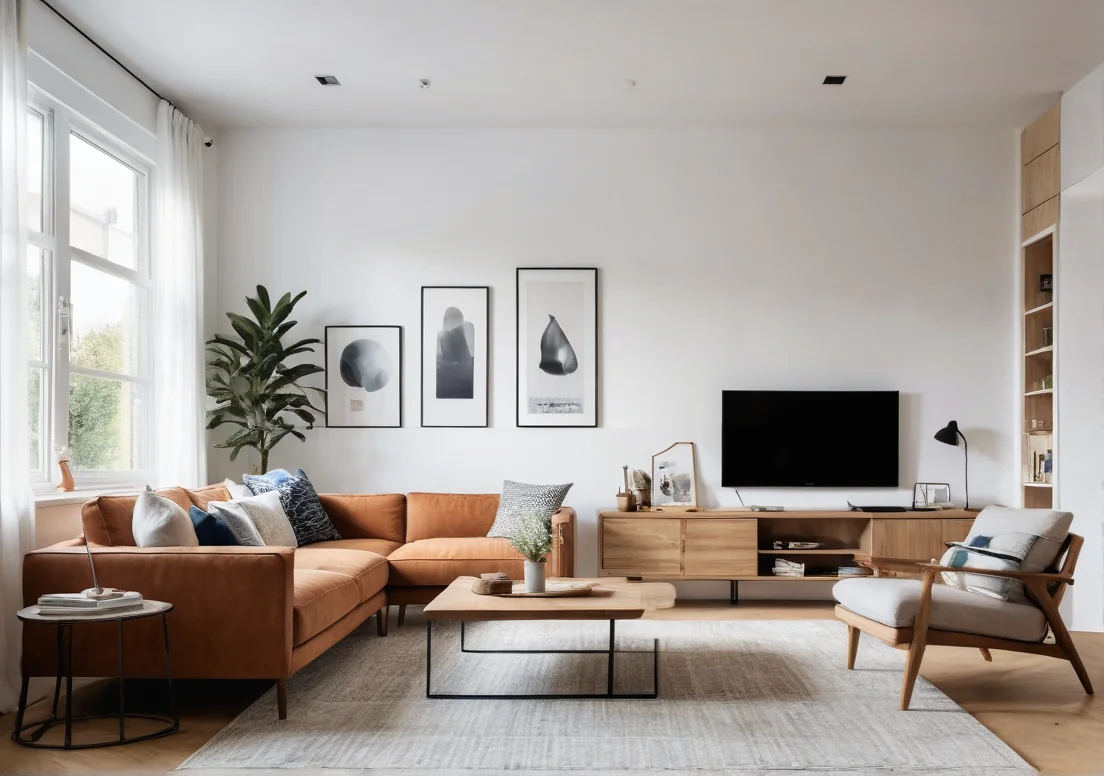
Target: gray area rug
(735,698)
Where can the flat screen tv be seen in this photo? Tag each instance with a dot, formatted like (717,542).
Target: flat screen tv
(816,439)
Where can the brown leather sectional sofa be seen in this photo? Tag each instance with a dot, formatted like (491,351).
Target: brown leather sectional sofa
(265,612)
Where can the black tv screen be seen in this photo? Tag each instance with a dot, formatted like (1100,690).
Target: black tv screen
(822,439)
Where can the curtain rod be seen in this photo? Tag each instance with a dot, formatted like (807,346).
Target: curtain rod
(106,53)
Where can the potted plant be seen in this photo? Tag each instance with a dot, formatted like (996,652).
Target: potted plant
(251,382)
(533,538)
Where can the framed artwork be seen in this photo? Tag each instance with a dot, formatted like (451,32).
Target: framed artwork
(455,355)
(364,366)
(557,347)
(674,478)
(931,494)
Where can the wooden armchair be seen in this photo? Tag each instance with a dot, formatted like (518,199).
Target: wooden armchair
(1003,620)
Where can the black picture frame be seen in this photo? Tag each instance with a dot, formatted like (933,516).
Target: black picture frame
(486,370)
(401,368)
(524,419)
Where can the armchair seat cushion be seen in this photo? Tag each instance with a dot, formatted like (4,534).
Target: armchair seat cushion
(438,562)
(894,602)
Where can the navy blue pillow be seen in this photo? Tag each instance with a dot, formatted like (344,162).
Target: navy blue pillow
(301,504)
(212,530)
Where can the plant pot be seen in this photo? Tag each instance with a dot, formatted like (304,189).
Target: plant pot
(534,576)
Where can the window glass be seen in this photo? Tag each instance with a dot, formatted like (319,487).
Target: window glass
(35,125)
(106,316)
(104,424)
(103,194)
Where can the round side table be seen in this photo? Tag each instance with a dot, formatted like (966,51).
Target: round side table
(64,624)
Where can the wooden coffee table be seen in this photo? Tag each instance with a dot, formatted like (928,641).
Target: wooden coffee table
(614,599)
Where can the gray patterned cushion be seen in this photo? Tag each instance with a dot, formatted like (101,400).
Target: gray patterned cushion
(1008,540)
(520,500)
(308,519)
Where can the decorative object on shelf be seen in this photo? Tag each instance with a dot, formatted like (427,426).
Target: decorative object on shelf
(1048,382)
(949,435)
(530,537)
(455,356)
(1048,336)
(1048,466)
(557,347)
(1046,283)
(642,488)
(626,500)
(256,358)
(498,583)
(67,483)
(931,494)
(674,481)
(1040,425)
(364,367)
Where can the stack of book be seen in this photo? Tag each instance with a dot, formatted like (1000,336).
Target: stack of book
(846,572)
(787,568)
(78,604)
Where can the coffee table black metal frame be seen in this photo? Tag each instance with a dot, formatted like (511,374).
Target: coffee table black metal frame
(65,669)
(610,652)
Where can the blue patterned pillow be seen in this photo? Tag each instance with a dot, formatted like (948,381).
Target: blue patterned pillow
(299,500)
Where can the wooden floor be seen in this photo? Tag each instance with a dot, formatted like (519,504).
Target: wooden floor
(1034,704)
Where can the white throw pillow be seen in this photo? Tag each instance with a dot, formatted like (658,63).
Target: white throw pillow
(236,489)
(160,522)
(264,512)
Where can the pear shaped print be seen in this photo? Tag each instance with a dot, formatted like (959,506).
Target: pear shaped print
(557,355)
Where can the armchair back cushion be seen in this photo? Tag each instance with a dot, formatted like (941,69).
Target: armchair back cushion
(1007,539)
(449,515)
(367,516)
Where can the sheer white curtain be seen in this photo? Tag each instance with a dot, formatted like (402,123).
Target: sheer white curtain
(16,506)
(178,281)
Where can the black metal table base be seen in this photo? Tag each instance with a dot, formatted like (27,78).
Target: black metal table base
(610,652)
(36,730)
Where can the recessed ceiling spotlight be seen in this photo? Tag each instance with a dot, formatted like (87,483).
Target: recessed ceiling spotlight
(328,80)
(834,80)
(423,83)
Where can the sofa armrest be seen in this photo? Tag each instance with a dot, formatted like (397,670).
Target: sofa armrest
(231,617)
(562,556)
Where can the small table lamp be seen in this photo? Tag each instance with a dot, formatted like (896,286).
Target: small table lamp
(949,435)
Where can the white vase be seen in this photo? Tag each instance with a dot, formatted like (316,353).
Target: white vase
(534,576)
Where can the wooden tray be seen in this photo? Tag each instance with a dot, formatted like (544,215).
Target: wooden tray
(554,590)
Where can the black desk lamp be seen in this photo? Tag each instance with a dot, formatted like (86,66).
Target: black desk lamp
(949,435)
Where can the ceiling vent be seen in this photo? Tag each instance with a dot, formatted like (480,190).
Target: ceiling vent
(834,80)
(331,80)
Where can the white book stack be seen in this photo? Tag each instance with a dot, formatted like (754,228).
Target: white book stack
(78,604)
(788,568)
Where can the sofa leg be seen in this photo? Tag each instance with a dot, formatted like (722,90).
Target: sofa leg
(281,698)
(852,646)
(381,621)
(402,614)
(985,654)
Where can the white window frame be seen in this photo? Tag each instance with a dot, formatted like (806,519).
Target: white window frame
(62,123)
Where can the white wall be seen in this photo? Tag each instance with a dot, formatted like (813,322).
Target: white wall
(1079,334)
(865,259)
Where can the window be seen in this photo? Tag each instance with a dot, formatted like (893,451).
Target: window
(89,370)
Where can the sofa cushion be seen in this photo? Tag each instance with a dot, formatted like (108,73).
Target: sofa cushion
(331,583)
(300,502)
(106,520)
(212,530)
(265,512)
(441,561)
(894,602)
(522,502)
(445,515)
(160,522)
(378,546)
(367,516)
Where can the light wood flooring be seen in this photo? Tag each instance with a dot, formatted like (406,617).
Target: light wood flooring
(1034,704)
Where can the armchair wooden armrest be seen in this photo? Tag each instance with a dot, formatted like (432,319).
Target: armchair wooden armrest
(1023,576)
(884,562)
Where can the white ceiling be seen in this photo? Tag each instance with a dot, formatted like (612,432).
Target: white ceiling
(563,62)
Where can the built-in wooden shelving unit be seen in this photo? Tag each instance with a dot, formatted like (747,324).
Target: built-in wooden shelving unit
(1039,344)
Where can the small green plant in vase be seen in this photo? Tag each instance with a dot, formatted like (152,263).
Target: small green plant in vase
(532,538)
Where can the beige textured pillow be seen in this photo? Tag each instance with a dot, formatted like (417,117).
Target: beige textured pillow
(265,513)
(160,522)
